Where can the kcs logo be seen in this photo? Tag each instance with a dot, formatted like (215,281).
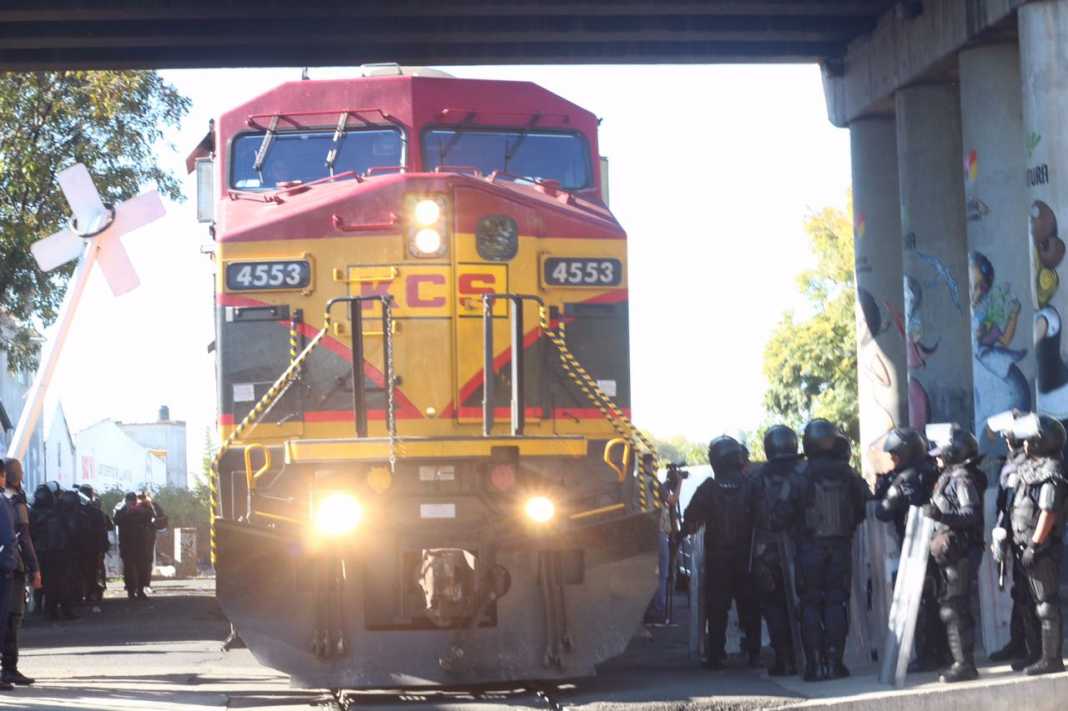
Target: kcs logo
(426,291)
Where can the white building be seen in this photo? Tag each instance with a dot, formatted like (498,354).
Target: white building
(111,458)
(166,435)
(59,458)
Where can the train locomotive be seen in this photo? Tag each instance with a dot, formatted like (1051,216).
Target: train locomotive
(427,473)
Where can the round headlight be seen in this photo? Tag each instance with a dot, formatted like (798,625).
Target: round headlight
(539,509)
(338,515)
(427,212)
(427,241)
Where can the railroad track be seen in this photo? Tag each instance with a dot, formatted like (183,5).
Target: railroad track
(547,694)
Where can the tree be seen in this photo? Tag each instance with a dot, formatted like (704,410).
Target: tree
(810,360)
(110,121)
(680,449)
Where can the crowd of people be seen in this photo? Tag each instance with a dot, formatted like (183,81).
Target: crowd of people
(790,521)
(55,547)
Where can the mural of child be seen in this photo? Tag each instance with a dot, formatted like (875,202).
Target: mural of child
(999,384)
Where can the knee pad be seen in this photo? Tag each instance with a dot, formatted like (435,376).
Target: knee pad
(949,613)
(1047,610)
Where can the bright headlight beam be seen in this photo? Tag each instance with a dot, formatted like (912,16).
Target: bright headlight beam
(338,515)
(427,241)
(427,212)
(540,509)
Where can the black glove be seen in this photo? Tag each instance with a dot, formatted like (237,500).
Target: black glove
(1027,559)
(932,512)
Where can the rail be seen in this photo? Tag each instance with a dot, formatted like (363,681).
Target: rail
(292,372)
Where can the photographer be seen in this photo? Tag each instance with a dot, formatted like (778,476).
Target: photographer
(668,534)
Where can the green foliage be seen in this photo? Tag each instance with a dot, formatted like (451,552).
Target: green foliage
(810,360)
(680,449)
(110,121)
(184,507)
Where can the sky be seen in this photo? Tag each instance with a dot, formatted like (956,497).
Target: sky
(713,170)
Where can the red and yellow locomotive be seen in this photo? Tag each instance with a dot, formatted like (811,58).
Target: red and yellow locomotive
(427,470)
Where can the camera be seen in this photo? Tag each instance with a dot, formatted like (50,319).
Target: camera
(676,469)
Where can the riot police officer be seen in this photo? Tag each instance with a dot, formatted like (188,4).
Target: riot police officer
(910,483)
(957,546)
(1038,508)
(719,504)
(832,501)
(772,495)
(1022,649)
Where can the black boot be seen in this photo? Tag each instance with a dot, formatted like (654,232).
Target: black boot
(1032,629)
(836,668)
(961,641)
(780,666)
(812,666)
(14,676)
(1051,661)
(1015,649)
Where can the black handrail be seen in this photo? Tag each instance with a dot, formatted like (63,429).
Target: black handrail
(359,395)
(518,399)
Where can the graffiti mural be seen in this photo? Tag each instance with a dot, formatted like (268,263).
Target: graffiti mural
(870,325)
(999,384)
(1052,373)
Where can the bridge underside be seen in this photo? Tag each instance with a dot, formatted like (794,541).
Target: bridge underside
(36,34)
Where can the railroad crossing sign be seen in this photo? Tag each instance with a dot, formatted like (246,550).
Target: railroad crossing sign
(94,235)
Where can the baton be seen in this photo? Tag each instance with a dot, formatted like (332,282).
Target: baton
(1001,574)
(752,547)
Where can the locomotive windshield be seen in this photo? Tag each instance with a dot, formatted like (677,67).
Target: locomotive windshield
(303,155)
(515,153)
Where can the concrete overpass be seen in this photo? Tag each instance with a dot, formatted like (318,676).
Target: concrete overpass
(955,110)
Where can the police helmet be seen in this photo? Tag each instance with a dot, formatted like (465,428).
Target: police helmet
(87,490)
(906,444)
(960,447)
(725,454)
(1050,439)
(819,437)
(843,448)
(780,442)
(42,496)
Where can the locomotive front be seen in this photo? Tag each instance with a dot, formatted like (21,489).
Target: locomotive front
(428,472)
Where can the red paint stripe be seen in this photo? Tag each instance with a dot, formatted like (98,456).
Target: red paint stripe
(500,413)
(405,408)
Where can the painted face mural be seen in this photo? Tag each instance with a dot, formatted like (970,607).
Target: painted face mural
(874,369)
(999,384)
(1052,374)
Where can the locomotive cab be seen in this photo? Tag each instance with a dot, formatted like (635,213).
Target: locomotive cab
(427,474)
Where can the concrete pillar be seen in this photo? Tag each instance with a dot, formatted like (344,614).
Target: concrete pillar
(1043,30)
(996,209)
(937,338)
(881,375)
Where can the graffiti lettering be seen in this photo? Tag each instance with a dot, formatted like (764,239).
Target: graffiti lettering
(1039,175)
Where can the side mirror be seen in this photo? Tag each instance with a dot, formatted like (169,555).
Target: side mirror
(604,180)
(205,168)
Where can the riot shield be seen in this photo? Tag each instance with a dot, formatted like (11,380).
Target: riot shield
(995,600)
(859,642)
(908,589)
(883,551)
(789,579)
(697,595)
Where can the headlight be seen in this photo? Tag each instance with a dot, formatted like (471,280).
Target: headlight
(426,212)
(338,515)
(539,509)
(427,242)
(427,228)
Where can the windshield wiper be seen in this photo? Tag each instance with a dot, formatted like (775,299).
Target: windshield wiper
(443,149)
(509,153)
(265,145)
(335,143)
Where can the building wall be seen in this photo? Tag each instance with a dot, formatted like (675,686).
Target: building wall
(59,460)
(166,435)
(109,458)
(13,387)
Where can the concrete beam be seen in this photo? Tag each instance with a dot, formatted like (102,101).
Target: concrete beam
(902,51)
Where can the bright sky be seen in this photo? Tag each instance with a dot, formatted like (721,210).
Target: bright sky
(712,172)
